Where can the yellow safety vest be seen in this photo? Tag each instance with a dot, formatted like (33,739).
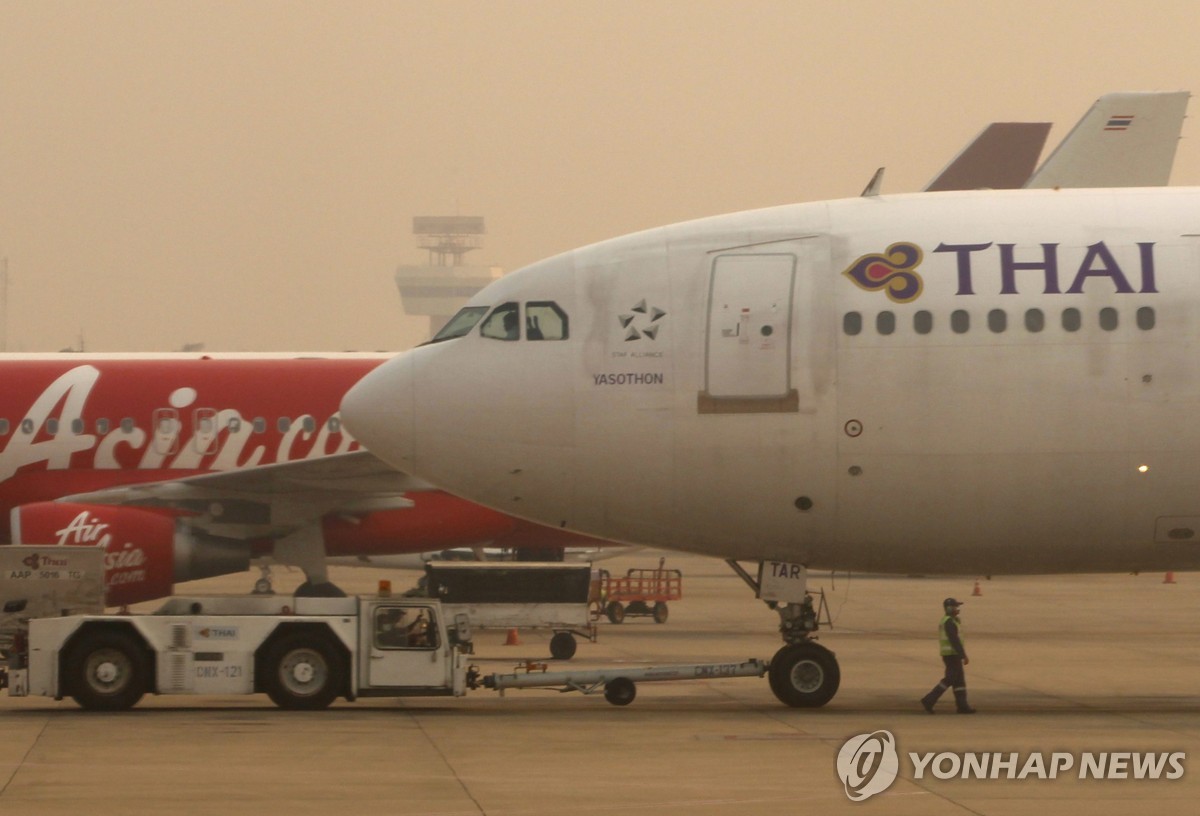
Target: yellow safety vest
(944,639)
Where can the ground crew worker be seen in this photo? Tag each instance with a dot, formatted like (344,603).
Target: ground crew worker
(954,656)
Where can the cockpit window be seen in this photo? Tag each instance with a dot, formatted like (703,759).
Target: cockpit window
(504,323)
(461,324)
(544,320)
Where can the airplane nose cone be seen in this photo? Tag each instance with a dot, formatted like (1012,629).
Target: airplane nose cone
(378,411)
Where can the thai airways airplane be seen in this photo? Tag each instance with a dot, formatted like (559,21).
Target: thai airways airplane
(981,382)
(186,466)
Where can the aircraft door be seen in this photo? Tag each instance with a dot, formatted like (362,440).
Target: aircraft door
(749,334)
(404,648)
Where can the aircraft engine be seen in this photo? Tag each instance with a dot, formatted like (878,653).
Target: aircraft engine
(146,552)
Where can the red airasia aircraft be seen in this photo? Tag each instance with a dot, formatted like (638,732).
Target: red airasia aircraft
(187,466)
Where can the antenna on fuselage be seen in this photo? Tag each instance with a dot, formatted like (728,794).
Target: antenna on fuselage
(875,185)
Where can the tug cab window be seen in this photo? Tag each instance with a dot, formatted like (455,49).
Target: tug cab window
(504,323)
(461,324)
(544,320)
(410,627)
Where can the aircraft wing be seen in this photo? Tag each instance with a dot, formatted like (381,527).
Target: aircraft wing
(1001,157)
(269,499)
(1125,140)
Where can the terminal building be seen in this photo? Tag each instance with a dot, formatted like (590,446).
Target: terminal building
(440,287)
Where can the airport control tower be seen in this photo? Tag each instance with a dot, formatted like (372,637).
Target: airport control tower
(439,288)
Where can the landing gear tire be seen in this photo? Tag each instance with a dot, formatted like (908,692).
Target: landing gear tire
(804,675)
(661,612)
(303,672)
(615,612)
(109,672)
(311,590)
(263,587)
(562,646)
(620,691)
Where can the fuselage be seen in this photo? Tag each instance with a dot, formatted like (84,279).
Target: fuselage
(983,382)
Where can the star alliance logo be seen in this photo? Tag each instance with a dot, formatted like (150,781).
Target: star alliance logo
(642,321)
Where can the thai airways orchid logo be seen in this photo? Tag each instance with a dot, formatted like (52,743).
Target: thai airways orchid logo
(868,764)
(892,271)
(642,321)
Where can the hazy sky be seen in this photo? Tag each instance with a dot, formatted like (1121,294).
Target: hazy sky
(245,173)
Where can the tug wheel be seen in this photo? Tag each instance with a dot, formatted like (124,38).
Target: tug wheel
(109,672)
(303,672)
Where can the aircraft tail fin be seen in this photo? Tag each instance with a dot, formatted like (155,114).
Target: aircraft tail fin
(1001,157)
(1125,140)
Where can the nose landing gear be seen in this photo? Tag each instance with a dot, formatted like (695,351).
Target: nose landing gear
(803,673)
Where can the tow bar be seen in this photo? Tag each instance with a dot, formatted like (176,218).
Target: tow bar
(617,683)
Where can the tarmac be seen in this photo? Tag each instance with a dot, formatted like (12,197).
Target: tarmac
(1075,665)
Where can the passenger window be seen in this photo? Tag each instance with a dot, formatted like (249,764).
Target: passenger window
(1035,320)
(127,425)
(334,424)
(3,427)
(102,426)
(166,426)
(504,323)
(309,424)
(284,424)
(544,320)
(923,322)
(76,426)
(26,426)
(960,321)
(260,425)
(885,322)
(1071,320)
(1108,318)
(235,425)
(461,324)
(52,426)
(852,323)
(1145,321)
(997,321)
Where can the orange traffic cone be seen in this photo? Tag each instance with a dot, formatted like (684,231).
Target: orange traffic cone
(976,592)
(1169,578)
(512,640)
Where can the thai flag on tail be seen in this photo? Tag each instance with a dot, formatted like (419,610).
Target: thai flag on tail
(1119,123)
